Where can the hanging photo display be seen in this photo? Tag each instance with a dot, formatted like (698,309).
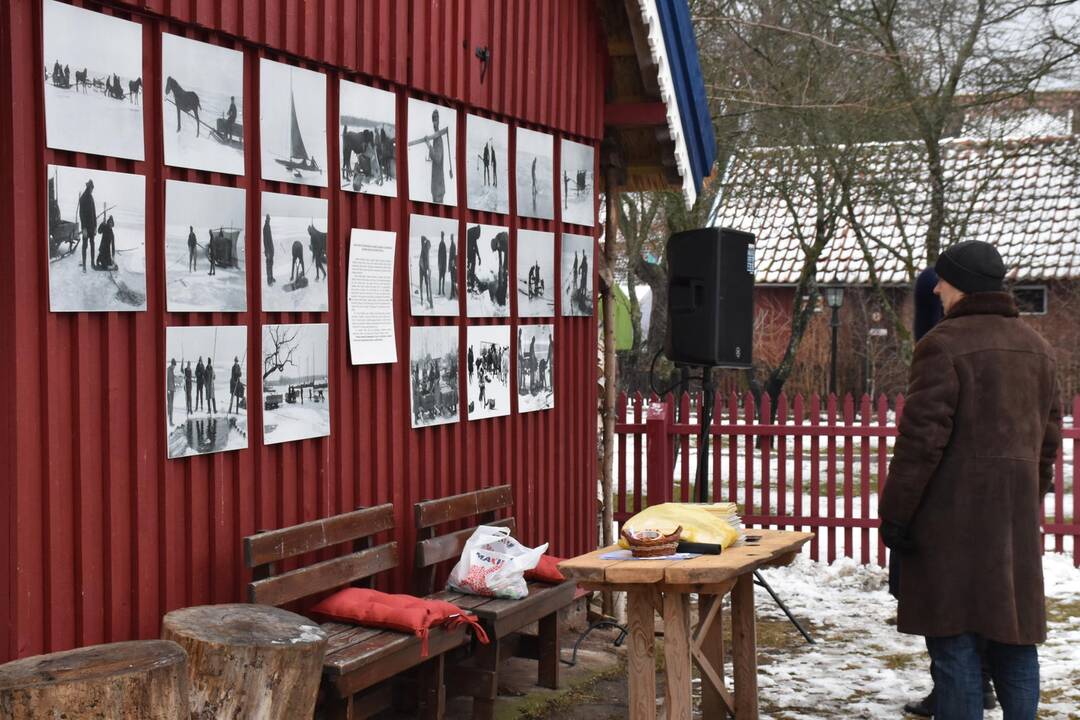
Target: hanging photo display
(296,382)
(534,174)
(292,123)
(487,154)
(433,252)
(93,82)
(535,273)
(96,240)
(368,139)
(487,367)
(294,258)
(536,367)
(487,272)
(577,274)
(432,147)
(433,373)
(577,183)
(205,264)
(202,100)
(206,385)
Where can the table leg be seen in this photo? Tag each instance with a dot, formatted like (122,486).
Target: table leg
(677,655)
(744,648)
(709,651)
(641,662)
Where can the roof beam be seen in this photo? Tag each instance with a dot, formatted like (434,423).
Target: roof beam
(635,114)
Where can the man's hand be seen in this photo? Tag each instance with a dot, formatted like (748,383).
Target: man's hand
(896,537)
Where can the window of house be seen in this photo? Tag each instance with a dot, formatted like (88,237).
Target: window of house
(1031,299)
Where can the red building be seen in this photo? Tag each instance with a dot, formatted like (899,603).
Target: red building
(100,533)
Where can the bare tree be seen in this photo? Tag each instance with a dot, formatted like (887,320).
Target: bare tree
(285,346)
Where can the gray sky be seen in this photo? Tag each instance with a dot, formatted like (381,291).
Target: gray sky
(82,38)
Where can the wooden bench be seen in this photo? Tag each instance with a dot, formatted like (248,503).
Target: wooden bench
(503,620)
(359,661)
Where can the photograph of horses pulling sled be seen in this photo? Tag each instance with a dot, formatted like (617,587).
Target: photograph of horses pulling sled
(292,123)
(93,82)
(96,240)
(203,90)
(205,265)
(368,139)
(294,259)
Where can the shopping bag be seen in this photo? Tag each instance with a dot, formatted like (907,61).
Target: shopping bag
(494,564)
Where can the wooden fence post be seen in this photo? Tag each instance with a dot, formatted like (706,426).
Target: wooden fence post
(658,435)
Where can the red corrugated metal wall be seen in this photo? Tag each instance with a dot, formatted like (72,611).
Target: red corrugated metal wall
(103,535)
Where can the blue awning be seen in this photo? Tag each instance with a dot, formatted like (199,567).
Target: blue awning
(689,87)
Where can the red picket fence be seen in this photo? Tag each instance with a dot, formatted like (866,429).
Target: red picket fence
(817,466)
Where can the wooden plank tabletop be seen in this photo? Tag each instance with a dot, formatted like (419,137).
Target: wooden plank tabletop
(703,570)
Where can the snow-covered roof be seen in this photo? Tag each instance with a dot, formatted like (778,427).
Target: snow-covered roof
(1023,196)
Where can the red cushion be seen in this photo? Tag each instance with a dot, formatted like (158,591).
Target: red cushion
(546,570)
(404,613)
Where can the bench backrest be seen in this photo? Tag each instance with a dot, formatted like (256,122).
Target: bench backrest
(480,507)
(264,550)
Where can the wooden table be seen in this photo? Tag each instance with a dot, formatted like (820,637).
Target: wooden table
(665,586)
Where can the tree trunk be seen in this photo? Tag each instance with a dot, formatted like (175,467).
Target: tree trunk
(138,680)
(611,371)
(249,661)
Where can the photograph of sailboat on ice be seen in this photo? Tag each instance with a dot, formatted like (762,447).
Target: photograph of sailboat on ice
(292,122)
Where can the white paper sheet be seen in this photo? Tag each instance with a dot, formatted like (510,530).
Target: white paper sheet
(371,297)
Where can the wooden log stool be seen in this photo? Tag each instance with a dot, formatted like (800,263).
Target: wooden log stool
(249,661)
(137,680)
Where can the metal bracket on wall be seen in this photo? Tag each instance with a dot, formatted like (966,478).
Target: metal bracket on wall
(484,56)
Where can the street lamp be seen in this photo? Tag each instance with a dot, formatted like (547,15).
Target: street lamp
(834,298)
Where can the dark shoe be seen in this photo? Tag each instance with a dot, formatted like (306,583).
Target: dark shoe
(921,708)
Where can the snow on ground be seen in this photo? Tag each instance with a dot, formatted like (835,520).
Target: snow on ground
(295,421)
(535,306)
(861,667)
(481,304)
(93,122)
(224,291)
(313,298)
(72,289)
(204,151)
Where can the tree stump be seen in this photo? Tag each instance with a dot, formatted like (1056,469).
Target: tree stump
(126,681)
(249,661)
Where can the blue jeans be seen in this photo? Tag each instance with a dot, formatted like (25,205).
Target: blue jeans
(957,670)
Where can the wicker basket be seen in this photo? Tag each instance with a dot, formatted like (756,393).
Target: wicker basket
(652,543)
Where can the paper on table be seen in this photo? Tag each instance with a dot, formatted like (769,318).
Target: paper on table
(371,297)
(627,555)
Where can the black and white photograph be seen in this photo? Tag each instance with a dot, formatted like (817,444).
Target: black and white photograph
(296,382)
(292,123)
(97,240)
(535,173)
(577,275)
(368,139)
(487,367)
(535,273)
(93,82)
(536,367)
(202,96)
(205,365)
(433,259)
(294,261)
(205,264)
(432,144)
(487,170)
(577,180)
(487,270)
(433,373)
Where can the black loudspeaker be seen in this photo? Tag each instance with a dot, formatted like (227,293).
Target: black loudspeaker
(710,298)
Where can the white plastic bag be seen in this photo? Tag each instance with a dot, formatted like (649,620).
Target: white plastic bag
(494,564)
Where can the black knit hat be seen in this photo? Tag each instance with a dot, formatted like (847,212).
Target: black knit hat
(972,266)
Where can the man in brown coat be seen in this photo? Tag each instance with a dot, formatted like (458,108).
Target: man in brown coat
(963,500)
